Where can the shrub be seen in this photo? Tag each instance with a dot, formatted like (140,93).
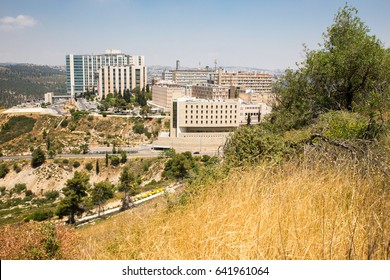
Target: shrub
(115,160)
(3,170)
(65,161)
(89,166)
(64,123)
(51,195)
(39,216)
(76,164)
(18,188)
(139,128)
(38,158)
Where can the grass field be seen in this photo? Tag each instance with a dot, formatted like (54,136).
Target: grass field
(293,211)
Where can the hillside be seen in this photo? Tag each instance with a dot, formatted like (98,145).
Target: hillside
(21,134)
(293,211)
(22,82)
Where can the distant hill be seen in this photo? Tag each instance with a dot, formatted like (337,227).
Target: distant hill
(21,82)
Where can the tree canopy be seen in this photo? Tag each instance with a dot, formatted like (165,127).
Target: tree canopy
(350,71)
(74,192)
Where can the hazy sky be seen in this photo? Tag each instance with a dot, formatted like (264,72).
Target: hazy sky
(264,33)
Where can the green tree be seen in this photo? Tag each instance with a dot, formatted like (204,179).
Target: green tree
(123,157)
(128,186)
(179,166)
(3,170)
(351,70)
(248,119)
(97,169)
(102,192)
(115,160)
(84,148)
(74,192)
(38,157)
(89,166)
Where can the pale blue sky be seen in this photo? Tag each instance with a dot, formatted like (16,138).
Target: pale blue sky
(265,33)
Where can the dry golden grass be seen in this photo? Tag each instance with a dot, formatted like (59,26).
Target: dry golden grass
(35,240)
(292,211)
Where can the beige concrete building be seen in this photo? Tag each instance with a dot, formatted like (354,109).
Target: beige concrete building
(250,95)
(120,78)
(210,91)
(162,95)
(193,117)
(259,82)
(191,77)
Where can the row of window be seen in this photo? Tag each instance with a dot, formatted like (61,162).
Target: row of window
(211,112)
(211,122)
(206,117)
(211,106)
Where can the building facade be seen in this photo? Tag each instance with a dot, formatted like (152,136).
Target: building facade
(191,77)
(250,95)
(82,70)
(162,95)
(119,78)
(191,117)
(259,82)
(210,91)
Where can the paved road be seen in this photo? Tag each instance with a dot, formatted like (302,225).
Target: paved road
(102,155)
(99,152)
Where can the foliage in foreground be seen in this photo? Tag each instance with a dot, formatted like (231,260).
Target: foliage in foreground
(36,241)
(310,209)
(350,72)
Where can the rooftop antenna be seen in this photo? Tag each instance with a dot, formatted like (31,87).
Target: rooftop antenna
(215,65)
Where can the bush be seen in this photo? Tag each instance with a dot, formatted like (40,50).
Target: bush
(89,166)
(3,170)
(38,158)
(65,161)
(19,188)
(17,168)
(76,164)
(51,195)
(115,160)
(39,216)
(139,128)
(64,123)
(29,193)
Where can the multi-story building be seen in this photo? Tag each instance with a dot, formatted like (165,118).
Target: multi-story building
(250,95)
(191,77)
(259,82)
(82,70)
(119,78)
(210,91)
(193,117)
(162,95)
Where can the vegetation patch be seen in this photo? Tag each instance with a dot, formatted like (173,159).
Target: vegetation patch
(15,127)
